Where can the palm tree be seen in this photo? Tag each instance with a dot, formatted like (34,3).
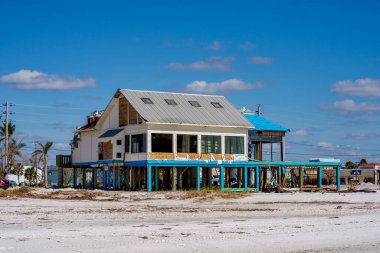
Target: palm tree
(43,155)
(18,170)
(30,174)
(11,130)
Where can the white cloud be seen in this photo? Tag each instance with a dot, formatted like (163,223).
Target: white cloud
(215,46)
(366,87)
(340,149)
(35,80)
(299,132)
(261,60)
(351,106)
(327,146)
(225,86)
(211,64)
(247,45)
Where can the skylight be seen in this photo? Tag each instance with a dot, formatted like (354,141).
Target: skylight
(170,102)
(216,105)
(194,103)
(147,101)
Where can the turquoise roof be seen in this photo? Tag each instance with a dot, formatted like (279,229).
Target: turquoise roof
(262,124)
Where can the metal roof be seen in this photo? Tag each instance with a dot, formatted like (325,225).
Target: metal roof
(110,133)
(184,112)
(263,124)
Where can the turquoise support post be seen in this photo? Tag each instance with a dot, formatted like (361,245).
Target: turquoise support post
(279,176)
(198,178)
(257,176)
(222,177)
(156,178)
(320,177)
(338,178)
(149,178)
(245,178)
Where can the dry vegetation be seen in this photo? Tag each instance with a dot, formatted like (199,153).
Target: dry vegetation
(27,192)
(72,194)
(209,194)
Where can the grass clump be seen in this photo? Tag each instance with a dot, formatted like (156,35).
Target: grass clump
(211,194)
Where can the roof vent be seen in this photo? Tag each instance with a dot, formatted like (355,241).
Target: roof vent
(147,101)
(194,103)
(170,102)
(216,105)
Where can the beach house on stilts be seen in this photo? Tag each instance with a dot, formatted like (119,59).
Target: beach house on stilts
(168,141)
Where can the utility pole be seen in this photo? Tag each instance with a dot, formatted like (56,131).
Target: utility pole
(35,163)
(7,112)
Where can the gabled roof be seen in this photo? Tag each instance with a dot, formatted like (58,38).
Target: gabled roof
(262,124)
(183,112)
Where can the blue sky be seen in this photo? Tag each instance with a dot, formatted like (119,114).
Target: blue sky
(313,65)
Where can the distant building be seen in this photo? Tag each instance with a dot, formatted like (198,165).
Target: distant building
(324,160)
(374,168)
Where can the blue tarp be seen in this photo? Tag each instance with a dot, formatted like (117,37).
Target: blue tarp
(262,124)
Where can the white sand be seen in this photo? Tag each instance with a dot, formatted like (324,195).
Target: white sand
(159,222)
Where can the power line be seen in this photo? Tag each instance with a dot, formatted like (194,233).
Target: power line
(56,106)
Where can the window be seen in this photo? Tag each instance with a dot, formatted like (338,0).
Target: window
(100,151)
(147,101)
(118,155)
(118,142)
(138,142)
(162,143)
(170,102)
(234,145)
(187,143)
(211,144)
(194,103)
(216,105)
(127,141)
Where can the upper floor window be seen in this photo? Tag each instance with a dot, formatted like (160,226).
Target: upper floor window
(234,144)
(127,143)
(138,142)
(118,142)
(162,143)
(187,143)
(211,144)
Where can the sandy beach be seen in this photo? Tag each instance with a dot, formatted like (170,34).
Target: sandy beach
(180,222)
